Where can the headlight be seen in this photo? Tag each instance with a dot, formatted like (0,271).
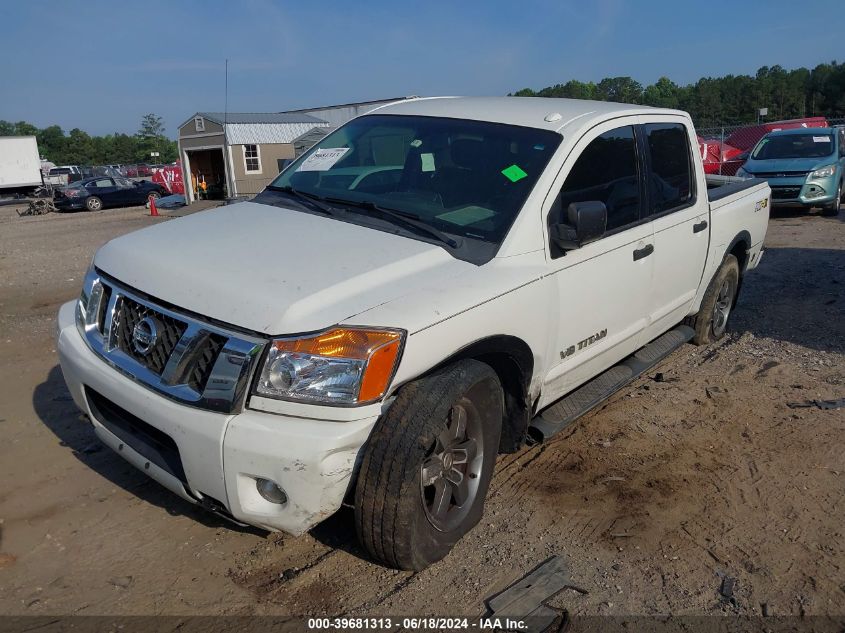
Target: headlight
(823,172)
(742,173)
(340,366)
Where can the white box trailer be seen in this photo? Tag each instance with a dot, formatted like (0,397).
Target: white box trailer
(20,164)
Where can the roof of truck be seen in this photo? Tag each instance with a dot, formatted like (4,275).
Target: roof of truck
(538,112)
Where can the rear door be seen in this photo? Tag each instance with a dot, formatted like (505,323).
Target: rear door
(680,218)
(601,289)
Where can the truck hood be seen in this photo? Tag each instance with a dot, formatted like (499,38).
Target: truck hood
(786,164)
(274,270)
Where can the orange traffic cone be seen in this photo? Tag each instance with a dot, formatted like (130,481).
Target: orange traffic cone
(153,210)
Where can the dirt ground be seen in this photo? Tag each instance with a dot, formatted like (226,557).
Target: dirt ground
(696,473)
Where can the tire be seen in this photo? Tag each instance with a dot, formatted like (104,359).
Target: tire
(154,194)
(448,422)
(836,205)
(711,322)
(94,204)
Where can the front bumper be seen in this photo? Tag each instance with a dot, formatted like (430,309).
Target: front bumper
(801,192)
(222,455)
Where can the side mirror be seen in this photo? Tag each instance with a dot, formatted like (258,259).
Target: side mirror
(586,222)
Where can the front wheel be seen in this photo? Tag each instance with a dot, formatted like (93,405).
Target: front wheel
(428,464)
(153,194)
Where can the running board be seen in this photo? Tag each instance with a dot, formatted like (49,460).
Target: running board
(557,416)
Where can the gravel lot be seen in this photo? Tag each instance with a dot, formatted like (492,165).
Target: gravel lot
(683,478)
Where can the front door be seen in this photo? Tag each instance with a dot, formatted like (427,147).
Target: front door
(105,190)
(602,288)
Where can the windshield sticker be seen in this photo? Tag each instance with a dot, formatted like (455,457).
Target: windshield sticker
(323,159)
(820,139)
(416,142)
(427,162)
(467,215)
(514,173)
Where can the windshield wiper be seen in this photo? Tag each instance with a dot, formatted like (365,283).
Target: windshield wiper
(312,200)
(399,217)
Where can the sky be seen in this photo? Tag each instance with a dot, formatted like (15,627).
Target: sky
(101,65)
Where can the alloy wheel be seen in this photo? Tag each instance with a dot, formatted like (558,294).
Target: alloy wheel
(449,476)
(722,308)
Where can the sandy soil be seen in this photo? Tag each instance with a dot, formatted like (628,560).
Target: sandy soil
(691,474)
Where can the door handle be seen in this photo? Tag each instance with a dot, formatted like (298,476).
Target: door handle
(697,228)
(645,251)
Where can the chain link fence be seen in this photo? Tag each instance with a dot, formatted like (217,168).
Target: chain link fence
(725,148)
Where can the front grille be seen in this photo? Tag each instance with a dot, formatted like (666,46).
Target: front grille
(782,193)
(128,314)
(204,362)
(189,359)
(781,174)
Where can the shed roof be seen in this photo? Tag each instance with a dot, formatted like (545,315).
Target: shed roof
(259,117)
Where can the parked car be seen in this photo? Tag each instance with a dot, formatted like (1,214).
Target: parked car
(64,175)
(143,171)
(374,327)
(100,192)
(805,168)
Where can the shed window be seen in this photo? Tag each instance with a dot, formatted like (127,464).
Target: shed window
(252,159)
(199,124)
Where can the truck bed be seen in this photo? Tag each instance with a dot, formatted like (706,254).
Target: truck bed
(719,187)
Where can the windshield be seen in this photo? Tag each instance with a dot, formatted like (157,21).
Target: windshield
(464,178)
(794,146)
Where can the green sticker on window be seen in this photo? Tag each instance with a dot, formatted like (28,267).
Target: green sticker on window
(514,173)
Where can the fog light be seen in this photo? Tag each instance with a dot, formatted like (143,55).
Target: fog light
(270,491)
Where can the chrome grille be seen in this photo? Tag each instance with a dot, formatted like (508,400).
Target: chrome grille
(206,355)
(128,314)
(189,360)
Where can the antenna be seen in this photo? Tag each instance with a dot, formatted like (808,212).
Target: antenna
(226,97)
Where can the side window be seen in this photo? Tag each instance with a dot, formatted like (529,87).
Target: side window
(605,171)
(252,159)
(670,180)
(102,183)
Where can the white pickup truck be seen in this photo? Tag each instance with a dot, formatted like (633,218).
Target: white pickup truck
(434,283)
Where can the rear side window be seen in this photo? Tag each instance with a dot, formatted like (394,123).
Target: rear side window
(670,180)
(605,171)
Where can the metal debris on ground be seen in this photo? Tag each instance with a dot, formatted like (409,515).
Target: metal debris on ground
(38,206)
(820,404)
(524,600)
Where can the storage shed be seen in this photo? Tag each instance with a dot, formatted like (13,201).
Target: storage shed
(236,153)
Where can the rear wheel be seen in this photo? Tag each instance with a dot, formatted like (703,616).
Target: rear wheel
(94,203)
(428,464)
(711,322)
(834,207)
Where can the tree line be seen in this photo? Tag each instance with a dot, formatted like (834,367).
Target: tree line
(80,148)
(728,100)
